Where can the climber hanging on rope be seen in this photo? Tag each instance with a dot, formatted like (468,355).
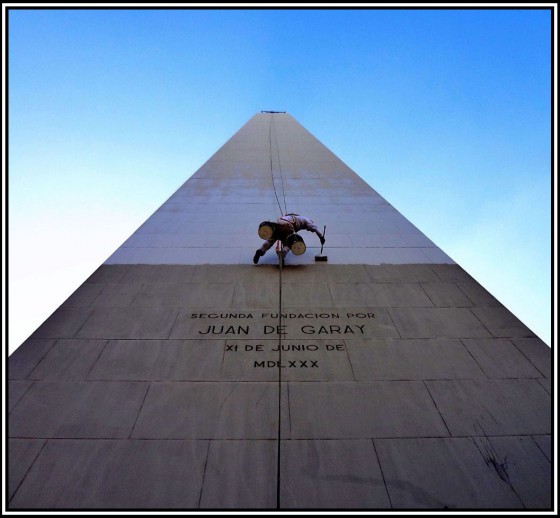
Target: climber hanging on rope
(285,230)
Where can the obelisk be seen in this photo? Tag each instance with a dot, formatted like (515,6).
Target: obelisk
(181,376)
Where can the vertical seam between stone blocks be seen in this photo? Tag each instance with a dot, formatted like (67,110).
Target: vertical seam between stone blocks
(526,357)
(43,357)
(434,271)
(540,449)
(465,293)
(363,267)
(330,294)
(393,322)
(236,288)
(279,431)
(474,358)
(224,342)
(97,359)
(349,360)
(140,410)
(173,325)
(136,295)
(427,294)
(28,470)
(92,311)
(439,412)
(194,274)
(22,396)
(91,305)
(482,323)
(382,474)
(536,380)
(232,297)
(204,474)
(289,409)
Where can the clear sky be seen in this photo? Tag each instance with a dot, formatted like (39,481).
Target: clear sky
(446,113)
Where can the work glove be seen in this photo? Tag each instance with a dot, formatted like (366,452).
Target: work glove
(322,239)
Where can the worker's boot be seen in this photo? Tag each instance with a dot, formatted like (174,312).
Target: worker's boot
(258,254)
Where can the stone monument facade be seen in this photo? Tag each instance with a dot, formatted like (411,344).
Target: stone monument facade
(180,375)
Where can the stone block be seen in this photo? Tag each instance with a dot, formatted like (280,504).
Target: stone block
(202,410)
(401,273)
(432,473)
(129,323)
(233,240)
(83,296)
(185,295)
(254,293)
(478,295)
(446,295)
(537,352)
(159,360)
(240,475)
(114,474)
(232,274)
(414,256)
(340,410)
(16,391)
(437,323)
(413,359)
(299,295)
(170,273)
(77,410)
(544,442)
(336,273)
(501,322)
(22,454)
(68,360)
(386,295)
(116,295)
(27,356)
(522,466)
(451,273)
(492,407)
(334,474)
(376,240)
(546,383)
(499,358)
(65,322)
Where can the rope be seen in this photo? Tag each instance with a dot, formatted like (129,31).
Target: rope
(280,253)
(271,125)
(279,439)
(279,164)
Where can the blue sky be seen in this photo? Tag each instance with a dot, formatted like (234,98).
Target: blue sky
(446,113)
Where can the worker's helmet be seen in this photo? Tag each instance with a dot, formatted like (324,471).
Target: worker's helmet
(267,229)
(296,244)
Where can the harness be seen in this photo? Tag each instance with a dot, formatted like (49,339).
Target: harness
(286,227)
(290,220)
